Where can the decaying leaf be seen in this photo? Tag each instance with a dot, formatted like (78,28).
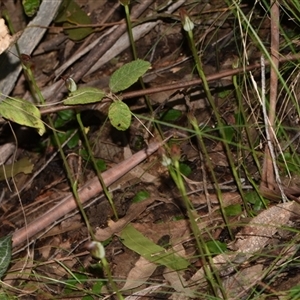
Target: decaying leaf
(139,274)
(22,112)
(21,166)
(252,239)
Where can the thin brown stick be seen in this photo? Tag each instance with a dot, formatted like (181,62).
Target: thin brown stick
(268,178)
(178,85)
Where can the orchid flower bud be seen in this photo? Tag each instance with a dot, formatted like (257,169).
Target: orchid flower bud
(187,23)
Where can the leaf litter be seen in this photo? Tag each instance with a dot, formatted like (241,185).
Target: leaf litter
(163,214)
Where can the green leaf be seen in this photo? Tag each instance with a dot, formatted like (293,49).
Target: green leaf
(233,210)
(229,133)
(21,166)
(101,165)
(88,297)
(63,136)
(216,247)
(119,115)
(30,7)
(5,254)
(135,241)
(225,93)
(140,196)
(185,169)
(22,112)
(127,75)
(256,200)
(97,287)
(70,14)
(63,117)
(4,296)
(252,197)
(294,292)
(85,95)
(171,115)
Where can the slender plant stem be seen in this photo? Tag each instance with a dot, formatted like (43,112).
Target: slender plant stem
(98,172)
(219,122)
(208,265)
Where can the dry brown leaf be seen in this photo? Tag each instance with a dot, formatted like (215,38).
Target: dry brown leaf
(179,284)
(253,238)
(256,234)
(142,293)
(139,274)
(237,286)
(20,270)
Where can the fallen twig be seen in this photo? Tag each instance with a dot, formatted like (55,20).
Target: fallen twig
(89,190)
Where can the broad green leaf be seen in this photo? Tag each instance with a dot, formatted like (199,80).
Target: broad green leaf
(30,7)
(135,241)
(85,95)
(127,75)
(70,14)
(119,115)
(21,166)
(22,112)
(5,254)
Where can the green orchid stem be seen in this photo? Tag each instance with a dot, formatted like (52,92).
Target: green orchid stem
(88,147)
(218,118)
(244,120)
(208,265)
(249,139)
(134,53)
(110,278)
(129,26)
(202,148)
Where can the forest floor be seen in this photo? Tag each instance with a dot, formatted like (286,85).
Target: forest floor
(188,218)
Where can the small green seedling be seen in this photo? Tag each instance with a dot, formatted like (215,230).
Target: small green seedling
(31,7)
(62,119)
